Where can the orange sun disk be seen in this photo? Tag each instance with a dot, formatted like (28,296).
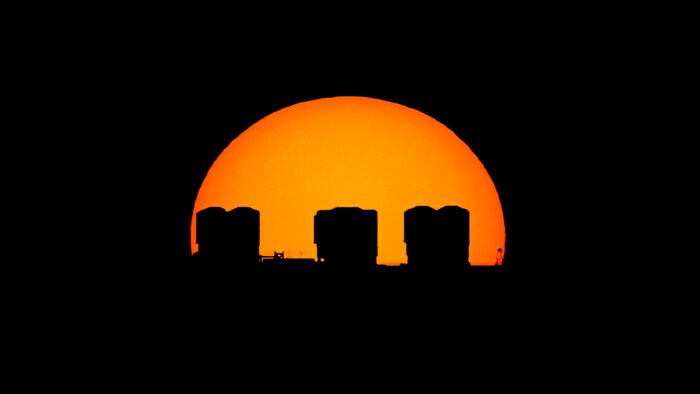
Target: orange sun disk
(351,151)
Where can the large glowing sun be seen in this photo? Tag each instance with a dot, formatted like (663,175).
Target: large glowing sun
(351,152)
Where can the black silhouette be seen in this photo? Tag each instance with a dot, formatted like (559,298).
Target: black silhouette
(437,240)
(279,263)
(346,238)
(231,237)
(419,235)
(453,237)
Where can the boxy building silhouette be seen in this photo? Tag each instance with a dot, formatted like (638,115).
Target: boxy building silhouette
(229,236)
(419,235)
(437,240)
(346,238)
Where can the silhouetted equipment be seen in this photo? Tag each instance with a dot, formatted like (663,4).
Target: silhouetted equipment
(453,227)
(346,237)
(279,263)
(419,235)
(437,239)
(229,236)
(210,235)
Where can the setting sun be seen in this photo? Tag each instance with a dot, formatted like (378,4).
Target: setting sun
(351,152)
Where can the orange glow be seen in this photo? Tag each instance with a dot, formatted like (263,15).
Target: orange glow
(351,152)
